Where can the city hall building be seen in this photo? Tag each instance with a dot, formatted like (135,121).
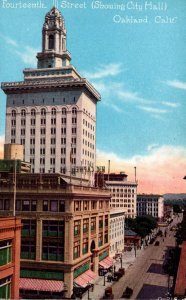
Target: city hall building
(52,113)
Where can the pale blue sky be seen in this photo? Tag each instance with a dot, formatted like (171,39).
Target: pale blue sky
(139,69)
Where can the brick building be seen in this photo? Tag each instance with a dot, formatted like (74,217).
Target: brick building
(65,234)
(10,237)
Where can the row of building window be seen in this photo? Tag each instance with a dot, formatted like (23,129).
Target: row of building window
(53,205)
(120,190)
(89,135)
(52,141)
(52,131)
(42,121)
(87,143)
(86,123)
(48,205)
(89,205)
(88,153)
(43,112)
(77,225)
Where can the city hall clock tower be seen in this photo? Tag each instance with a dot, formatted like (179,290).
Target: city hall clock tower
(54,53)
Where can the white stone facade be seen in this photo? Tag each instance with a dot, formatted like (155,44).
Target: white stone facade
(150,205)
(52,113)
(117,223)
(122,205)
(50,132)
(123,196)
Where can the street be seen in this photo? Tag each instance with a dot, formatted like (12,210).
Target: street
(146,276)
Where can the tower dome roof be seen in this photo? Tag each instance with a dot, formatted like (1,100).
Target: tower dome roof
(54,12)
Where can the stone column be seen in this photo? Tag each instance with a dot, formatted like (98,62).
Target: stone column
(69,240)
(68,140)
(27,137)
(37,144)
(58,142)
(68,281)
(18,127)
(38,239)
(8,126)
(47,141)
(81,237)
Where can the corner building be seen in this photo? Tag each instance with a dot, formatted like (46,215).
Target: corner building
(65,234)
(52,113)
(10,239)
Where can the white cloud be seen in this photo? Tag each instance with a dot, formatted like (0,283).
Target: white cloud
(177,84)
(115,107)
(104,71)
(159,171)
(171,104)
(132,97)
(153,110)
(9,40)
(27,55)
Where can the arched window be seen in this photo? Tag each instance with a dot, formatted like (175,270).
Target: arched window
(33,112)
(51,41)
(43,111)
(74,110)
(53,111)
(13,113)
(64,111)
(23,113)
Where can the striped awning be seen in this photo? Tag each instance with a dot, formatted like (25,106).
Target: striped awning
(41,285)
(106,263)
(86,278)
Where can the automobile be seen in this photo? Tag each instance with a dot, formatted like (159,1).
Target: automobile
(157,243)
(127,293)
(152,241)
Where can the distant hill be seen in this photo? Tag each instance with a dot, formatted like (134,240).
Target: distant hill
(174,197)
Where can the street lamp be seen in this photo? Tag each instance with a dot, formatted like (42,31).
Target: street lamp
(104,279)
(121,261)
(88,284)
(135,249)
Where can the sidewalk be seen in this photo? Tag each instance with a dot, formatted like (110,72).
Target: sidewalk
(128,258)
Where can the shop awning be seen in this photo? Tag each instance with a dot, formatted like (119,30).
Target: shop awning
(41,285)
(106,263)
(109,261)
(84,279)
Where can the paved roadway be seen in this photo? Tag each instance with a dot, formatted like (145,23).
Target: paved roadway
(144,273)
(146,276)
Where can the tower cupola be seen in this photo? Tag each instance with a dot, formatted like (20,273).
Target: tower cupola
(54,53)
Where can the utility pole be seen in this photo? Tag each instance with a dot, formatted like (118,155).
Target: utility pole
(15,183)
